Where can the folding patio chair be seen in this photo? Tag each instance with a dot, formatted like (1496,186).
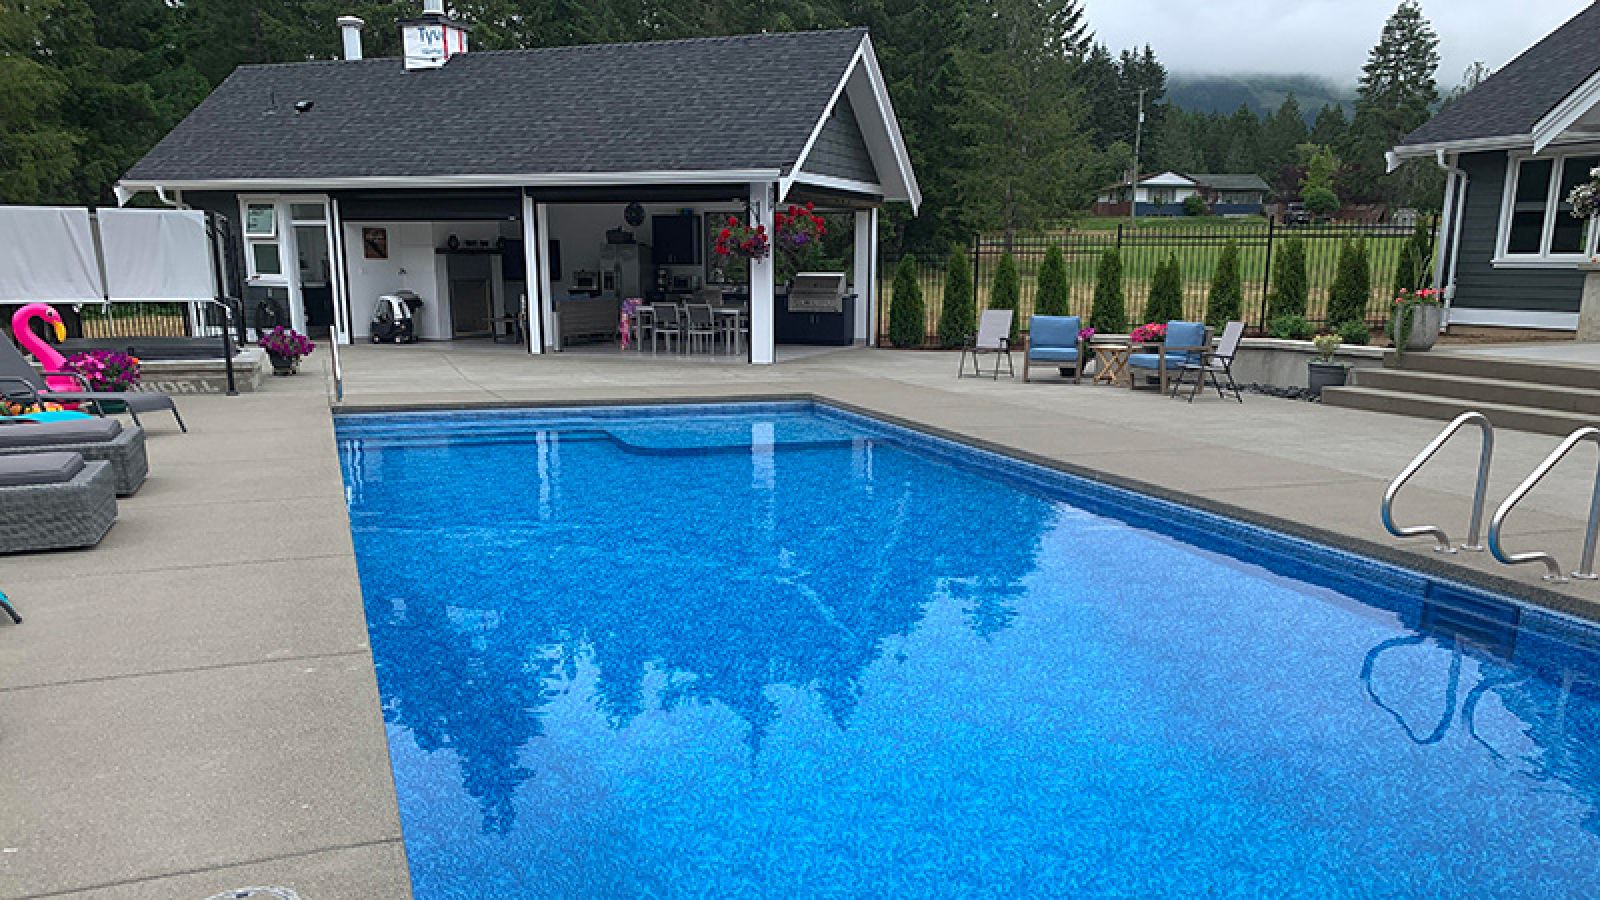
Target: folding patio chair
(1214,364)
(10,610)
(994,336)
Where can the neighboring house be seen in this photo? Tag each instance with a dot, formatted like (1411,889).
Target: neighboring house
(1513,147)
(513,185)
(1163,195)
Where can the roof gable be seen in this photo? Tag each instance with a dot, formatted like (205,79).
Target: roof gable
(606,108)
(1511,101)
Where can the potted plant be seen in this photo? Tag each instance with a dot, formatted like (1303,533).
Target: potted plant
(1416,320)
(106,370)
(285,347)
(1322,370)
(1149,333)
(740,240)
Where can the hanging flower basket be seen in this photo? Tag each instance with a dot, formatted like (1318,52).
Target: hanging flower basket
(740,240)
(1585,197)
(798,227)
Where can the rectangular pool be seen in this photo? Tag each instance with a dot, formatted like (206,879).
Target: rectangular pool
(786,651)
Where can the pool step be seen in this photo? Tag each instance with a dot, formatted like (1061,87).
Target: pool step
(1484,389)
(1500,368)
(1434,406)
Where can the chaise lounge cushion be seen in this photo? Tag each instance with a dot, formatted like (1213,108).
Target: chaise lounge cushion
(74,431)
(39,468)
(1153,360)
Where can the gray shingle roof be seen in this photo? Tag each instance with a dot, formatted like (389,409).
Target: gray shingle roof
(1511,100)
(747,102)
(1231,182)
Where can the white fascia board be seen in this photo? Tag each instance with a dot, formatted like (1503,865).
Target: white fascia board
(838,184)
(1566,113)
(568,179)
(1500,142)
(863,79)
(1169,179)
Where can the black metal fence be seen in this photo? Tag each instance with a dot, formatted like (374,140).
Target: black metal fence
(1196,249)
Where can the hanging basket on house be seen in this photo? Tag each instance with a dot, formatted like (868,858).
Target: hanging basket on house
(737,239)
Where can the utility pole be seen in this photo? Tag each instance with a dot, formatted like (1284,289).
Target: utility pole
(1133,177)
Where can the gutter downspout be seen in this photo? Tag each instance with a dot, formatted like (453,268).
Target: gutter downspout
(1456,182)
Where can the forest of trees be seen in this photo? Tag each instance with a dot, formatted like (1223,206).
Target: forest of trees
(1014,114)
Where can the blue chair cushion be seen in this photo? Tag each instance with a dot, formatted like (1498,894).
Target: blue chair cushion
(1186,334)
(1055,332)
(1175,361)
(1052,354)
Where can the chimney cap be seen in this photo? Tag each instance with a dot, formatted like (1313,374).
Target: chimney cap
(351,22)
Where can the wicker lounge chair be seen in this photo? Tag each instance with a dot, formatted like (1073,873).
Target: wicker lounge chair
(95,439)
(1054,341)
(54,501)
(19,382)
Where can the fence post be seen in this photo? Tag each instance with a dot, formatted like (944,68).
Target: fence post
(977,254)
(1119,237)
(1266,274)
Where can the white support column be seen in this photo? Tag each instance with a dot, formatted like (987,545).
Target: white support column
(533,275)
(865,276)
(763,294)
(341,284)
(546,294)
(871,298)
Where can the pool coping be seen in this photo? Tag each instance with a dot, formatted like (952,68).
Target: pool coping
(1433,566)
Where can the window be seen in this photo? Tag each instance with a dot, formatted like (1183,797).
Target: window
(260,220)
(1163,196)
(306,212)
(1538,224)
(265,259)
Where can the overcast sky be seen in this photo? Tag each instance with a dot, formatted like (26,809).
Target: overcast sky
(1322,37)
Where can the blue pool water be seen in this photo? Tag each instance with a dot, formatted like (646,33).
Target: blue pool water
(787,652)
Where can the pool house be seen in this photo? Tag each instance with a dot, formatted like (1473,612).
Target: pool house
(529,195)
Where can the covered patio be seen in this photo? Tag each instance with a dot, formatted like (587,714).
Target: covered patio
(513,220)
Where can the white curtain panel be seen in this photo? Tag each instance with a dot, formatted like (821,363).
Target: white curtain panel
(47,256)
(156,254)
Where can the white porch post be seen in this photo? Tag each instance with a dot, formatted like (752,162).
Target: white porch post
(763,295)
(866,276)
(547,304)
(341,284)
(533,276)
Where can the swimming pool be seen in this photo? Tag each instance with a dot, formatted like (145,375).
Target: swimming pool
(787,651)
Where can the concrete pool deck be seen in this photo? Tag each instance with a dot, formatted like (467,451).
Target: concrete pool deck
(191,706)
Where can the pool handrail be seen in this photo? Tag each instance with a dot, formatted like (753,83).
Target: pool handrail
(1475,525)
(1553,572)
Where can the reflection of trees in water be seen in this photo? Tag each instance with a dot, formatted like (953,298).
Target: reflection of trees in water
(826,585)
(1551,692)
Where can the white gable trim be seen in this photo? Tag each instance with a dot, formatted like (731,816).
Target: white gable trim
(863,82)
(128,188)
(1169,179)
(838,184)
(1566,113)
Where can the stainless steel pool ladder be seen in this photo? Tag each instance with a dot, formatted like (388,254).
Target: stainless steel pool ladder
(1475,526)
(1553,572)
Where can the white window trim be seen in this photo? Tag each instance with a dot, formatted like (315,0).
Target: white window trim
(244,213)
(1503,258)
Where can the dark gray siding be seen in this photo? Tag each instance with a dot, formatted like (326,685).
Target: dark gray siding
(1479,285)
(840,150)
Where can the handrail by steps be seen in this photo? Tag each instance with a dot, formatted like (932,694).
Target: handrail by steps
(1475,526)
(1553,571)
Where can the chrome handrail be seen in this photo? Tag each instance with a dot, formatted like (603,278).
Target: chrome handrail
(1552,567)
(1475,526)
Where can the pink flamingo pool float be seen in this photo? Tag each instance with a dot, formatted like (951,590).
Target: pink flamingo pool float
(47,355)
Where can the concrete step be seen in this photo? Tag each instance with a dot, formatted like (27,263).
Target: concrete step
(1429,406)
(1533,371)
(1478,389)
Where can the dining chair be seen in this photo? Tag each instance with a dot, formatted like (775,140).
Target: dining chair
(702,324)
(667,323)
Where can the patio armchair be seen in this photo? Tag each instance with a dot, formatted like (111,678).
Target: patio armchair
(20,383)
(1216,365)
(54,501)
(93,439)
(1053,340)
(994,336)
(1185,342)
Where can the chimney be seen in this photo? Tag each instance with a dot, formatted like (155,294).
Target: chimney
(428,42)
(350,33)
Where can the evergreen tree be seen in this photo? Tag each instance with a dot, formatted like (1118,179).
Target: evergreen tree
(1053,298)
(958,317)
(908,325)
(1165,303)
(1226,300)
(1244,142)
(1281,134)
(1412,268)
(1352,285)
(1290,288)
(1005,292)
(1108,313)
(1316,189)
(1330,127)
(1396,94)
